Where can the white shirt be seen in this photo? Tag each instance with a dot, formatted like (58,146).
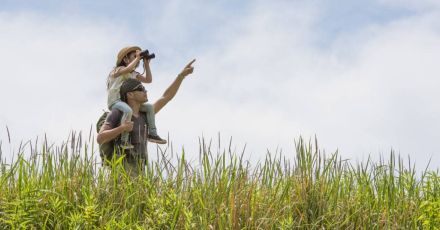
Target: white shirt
(114,85)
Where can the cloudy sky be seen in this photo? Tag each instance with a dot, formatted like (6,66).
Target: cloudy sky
(363,76)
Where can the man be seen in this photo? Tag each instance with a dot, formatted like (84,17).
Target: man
(134,94)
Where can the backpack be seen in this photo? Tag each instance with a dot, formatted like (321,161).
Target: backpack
(108,149)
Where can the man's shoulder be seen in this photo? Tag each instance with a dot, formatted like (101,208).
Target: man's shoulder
(115,113)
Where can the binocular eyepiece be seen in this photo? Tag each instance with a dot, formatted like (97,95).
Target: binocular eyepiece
(147,55)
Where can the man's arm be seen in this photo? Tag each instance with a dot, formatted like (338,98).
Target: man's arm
(173,88)
(110,131)
(147,77)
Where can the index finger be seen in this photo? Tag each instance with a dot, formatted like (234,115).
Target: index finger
(189,64)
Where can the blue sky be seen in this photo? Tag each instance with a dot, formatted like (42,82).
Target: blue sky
(360,75)
(335,17)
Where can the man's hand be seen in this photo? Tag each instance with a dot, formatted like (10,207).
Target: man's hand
(187,70)
(172,89)
(107,133)
(127,126)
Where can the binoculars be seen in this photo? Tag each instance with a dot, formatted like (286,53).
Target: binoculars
(147,55)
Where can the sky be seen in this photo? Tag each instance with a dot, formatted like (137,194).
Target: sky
(360,76)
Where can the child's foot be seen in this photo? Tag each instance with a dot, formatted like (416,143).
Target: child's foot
(156,139)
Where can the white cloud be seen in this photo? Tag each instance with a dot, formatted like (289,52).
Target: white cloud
(54,73)
(261,81)
(373,90)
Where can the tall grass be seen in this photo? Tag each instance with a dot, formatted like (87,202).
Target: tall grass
(65,187)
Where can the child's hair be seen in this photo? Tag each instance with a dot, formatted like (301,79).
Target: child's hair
(122,63)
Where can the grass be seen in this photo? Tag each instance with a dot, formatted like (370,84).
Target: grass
(65,187)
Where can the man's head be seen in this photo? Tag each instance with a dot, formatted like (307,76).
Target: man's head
(126,55)
(132,90)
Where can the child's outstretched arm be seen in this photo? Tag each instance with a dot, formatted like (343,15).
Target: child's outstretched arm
(146,77)
(130,67)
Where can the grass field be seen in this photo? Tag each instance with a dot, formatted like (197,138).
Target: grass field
(64,187)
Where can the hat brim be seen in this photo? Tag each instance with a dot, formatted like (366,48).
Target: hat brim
(125,52)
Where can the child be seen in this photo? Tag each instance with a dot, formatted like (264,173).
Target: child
(127,61)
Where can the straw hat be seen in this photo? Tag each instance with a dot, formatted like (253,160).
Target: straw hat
(124,51)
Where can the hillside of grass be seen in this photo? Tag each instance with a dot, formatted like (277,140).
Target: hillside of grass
(66,187)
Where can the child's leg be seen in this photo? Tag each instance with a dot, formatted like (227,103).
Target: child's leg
(127,113)
(148,108)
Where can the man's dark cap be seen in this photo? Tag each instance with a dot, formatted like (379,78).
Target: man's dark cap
(128,86)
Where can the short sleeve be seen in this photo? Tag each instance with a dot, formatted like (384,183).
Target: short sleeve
(114,118)
(115,70)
